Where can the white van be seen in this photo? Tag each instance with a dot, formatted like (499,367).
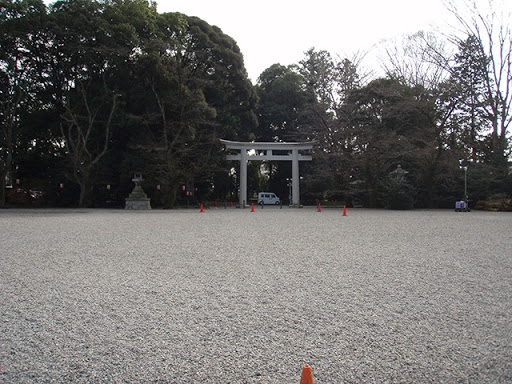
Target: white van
(268,198)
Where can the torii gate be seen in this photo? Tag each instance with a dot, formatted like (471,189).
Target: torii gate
(265,151)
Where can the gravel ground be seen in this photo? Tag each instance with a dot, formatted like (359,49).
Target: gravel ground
(231,296)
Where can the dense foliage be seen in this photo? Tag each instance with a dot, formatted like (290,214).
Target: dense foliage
(93,91)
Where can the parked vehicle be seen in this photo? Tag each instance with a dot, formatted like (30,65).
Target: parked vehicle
(268,198)
(461,206)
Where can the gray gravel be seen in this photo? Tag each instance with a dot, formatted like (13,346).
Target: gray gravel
(230,296)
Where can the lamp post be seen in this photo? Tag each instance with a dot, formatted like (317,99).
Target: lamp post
(464,165)
(289,185)
(466,184)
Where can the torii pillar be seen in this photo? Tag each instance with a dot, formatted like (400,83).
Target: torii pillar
(268,151)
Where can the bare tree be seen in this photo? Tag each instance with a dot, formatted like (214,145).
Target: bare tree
(491,29)
(87,131)
(419,59)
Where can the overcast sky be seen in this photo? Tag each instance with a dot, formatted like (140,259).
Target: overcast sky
(280,31)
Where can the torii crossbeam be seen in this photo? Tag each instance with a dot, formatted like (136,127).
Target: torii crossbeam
(268,151)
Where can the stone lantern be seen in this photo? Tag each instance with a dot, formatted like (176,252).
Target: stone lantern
(399,172)
(137,199)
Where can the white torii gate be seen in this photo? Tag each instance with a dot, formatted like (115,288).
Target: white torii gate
(265,151)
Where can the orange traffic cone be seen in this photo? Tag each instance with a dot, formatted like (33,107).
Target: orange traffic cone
(344,210)
(319,208)
(252,207)
(307,376)
(201,209)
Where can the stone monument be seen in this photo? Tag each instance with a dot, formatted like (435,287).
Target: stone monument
(138,198)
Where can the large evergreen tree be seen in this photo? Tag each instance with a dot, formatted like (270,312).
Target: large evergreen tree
(91,46)
(192,90)
(327,118)
(21,40)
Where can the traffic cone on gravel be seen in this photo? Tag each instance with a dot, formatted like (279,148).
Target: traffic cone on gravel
(344,210)
(252,207)
(307,376)
(201,209)
(319,208)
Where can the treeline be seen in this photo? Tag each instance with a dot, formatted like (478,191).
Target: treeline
(94,91)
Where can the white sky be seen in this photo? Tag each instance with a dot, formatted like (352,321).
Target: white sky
(280,31)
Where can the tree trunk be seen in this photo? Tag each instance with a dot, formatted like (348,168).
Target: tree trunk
(85,191)
(372,193)
(170,197)
(2,191)
(5,171)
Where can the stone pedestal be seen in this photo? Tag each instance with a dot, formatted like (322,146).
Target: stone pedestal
(137,199)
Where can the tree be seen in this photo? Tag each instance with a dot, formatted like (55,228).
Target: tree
(375,142)
(193,89)
(394,124)
(398,193)
(469,96)
(87,129)
(422,62)
(488,39)
(327,119)
(91,44)
(419,59)
(20,40)
(281,100)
